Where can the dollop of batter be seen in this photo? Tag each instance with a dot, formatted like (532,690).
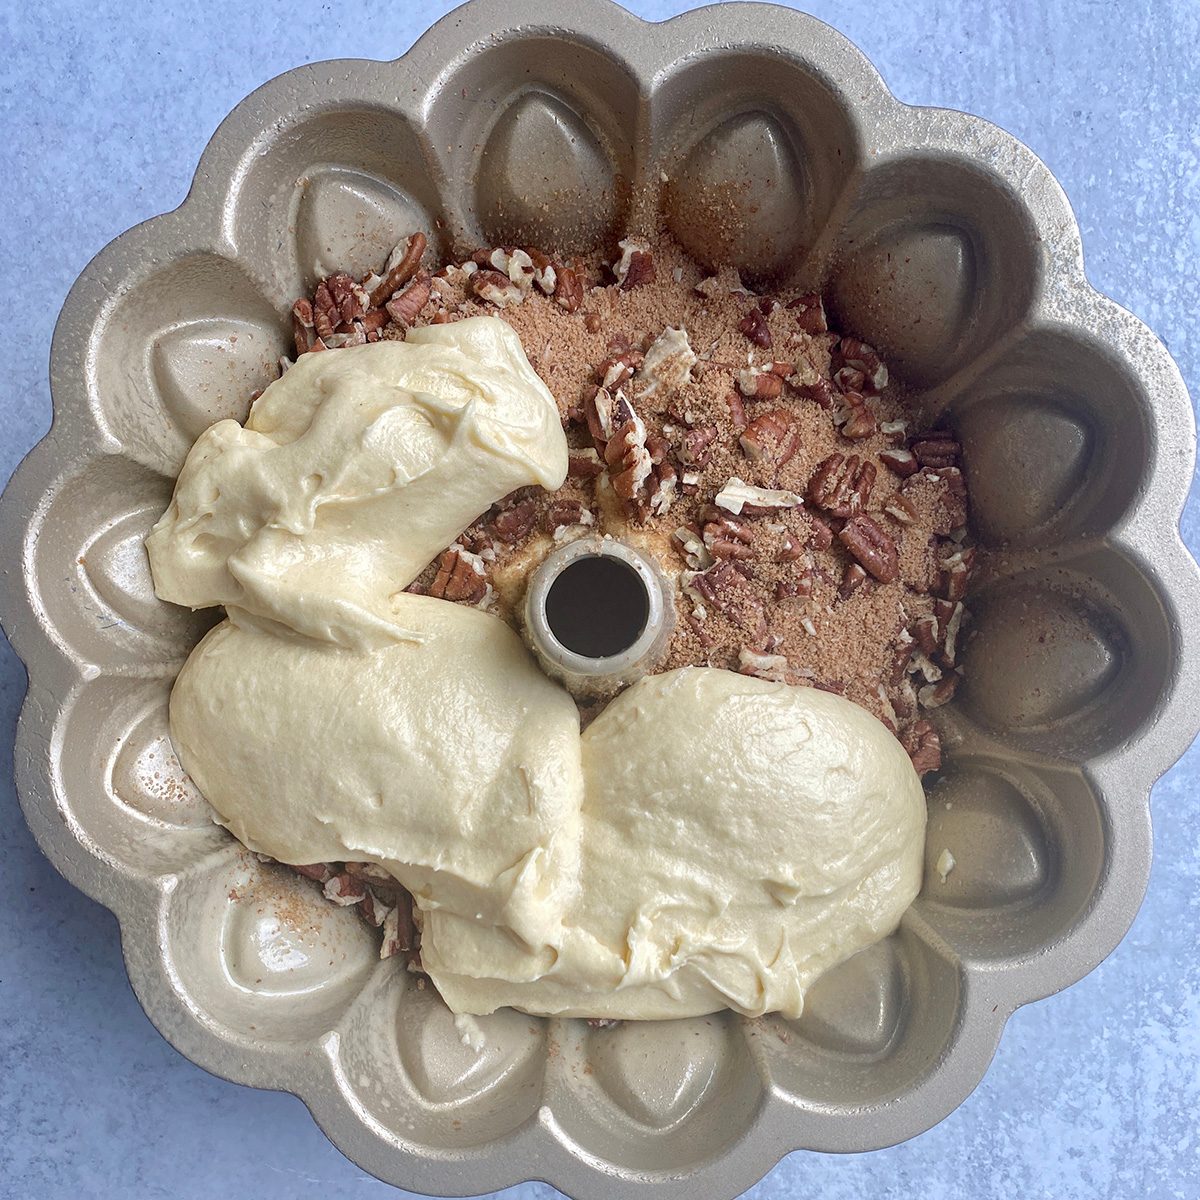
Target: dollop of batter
(710,841)
(352,472)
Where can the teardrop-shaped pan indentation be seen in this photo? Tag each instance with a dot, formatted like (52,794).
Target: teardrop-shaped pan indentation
(451,1062)
(995,838)
(349,220)
(912,293)
(544,178)
(742,197)
(855,1008)
(658,1073)
(1026,459)
(1036,657)
(206,370)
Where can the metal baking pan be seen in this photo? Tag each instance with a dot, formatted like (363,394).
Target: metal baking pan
(935,236)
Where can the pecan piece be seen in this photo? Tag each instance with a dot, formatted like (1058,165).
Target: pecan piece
(900,508)
(810,312)
(924,746)
(850,354)
(512,524)
(302,325)
(772,435)
(934,695)
(872,546)
(695,448)
(635,266)
(900,462)
(545,273)
(861,422)
(727,537)
(326,316)
(724,588)
(772,667)
(459,577)
(956,573)
(754,326)
(741,499)
(347,296)
(345,890)
(853,577)
(401,266)
(936,449)
(568,295)
(737,410)
(404,307)
(496,289)
(320,872)
(584,464)
(840,485)
(760,384)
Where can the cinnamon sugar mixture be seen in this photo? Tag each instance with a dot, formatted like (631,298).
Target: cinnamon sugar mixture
(764,459)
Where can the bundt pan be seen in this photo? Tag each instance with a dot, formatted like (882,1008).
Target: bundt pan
(935,236)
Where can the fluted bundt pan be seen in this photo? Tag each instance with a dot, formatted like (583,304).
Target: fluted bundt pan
(765,139)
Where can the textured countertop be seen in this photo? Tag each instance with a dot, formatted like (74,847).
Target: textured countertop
(1094,1093)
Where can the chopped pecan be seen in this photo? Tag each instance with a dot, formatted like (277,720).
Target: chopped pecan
(956,573)
(850,379)
(861,423)
(727,537)
(584,464)
(901,653)
(345,890)
(560,513)
(618,368)
(326,316)
(302,325)
(512,524)
(695,446)
(636,264)
(773,436)
(741,499)
(924,746)
(460,576)
(936,449)
(795,586)
(737,410)
(496,288)
(404,307)
(401,266)
(373,909)
(762,666)
(668,361)
(934,695)
(759,384)
(850,354)
(900,462)
(872,546)
(399,930)
(754,326)
(374,321)
(820,535)
(660,487)
(840,485)
(545,274)
(810,312)
(320,872)
(724,588)
(853,577)
(900,508)
(627,457)
(695,552)
(568,295)
(347,297)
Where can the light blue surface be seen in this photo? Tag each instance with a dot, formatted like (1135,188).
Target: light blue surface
(1094,1093)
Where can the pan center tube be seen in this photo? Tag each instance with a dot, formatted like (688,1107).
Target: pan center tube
(598,614)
